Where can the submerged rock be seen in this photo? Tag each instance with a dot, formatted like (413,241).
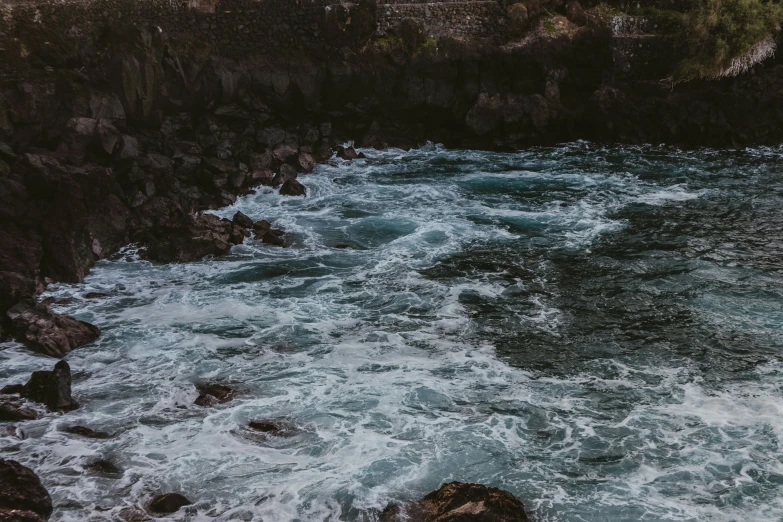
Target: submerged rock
(103,467)
(46,332)
(211,394)
(13,411)
(460,502)
(87,432)
(264,231)
(22,497)
(346,153)
(51,388)
(168,503)
(276,428)
(242,220)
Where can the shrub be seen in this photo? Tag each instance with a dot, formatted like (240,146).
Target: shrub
(727,37)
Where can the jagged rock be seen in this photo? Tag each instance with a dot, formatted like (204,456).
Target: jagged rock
(211,394)
(12,411)
(46,332)
(188,238)
(12,389)
(346,153)
(287,172)
(264,231)
(262,177)
(22,497)
(460,502)
(51,388)
(575,13)
(87,432)
(276,428)
(130,514)
(95,295)
(242,220)
(284,151)
(7,153)
(168,503)
(292,188)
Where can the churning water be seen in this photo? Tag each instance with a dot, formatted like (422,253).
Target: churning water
(597,330)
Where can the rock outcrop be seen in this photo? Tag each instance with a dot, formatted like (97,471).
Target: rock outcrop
(46,332)
(460,502)
(212,394)
(168,503)
(51,388)
(22,497)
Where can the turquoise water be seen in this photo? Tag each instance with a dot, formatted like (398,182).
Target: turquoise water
(597,330)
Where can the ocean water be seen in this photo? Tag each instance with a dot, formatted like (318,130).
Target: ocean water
(595,329)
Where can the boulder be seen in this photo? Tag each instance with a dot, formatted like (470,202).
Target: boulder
(262,177)
(575,13)
(346,153)
(188,238)
(305,162)
(460,502)
(168,503)
(22,497)
(211,394)
(292,188)
(242,220)
(287,172)
(103,467)
(264,231)
(285,151)
(87,432)
(46,332)
(51,388)
(12,389)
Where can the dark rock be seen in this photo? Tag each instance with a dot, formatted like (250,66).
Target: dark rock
(287,173)
(22,497)
(12,389)
(292,188)
(264,231)
(189,238)
(305,161)
(168,503)
(95,295)
(575,13)
(274,427)
(242,220)
(285,151)
(51,388)
(130,514)
(12,411)
(262,177)
(7,153)
(103,467)
(346,153)
(87,432)
(460,502)
(46,332)
(211,394)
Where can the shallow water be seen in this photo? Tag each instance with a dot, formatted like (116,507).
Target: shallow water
(597,330)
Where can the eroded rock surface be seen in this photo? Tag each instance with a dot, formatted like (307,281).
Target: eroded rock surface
(47,332)
(51,388)
(22,497)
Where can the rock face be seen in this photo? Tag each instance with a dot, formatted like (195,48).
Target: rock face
(460,502)
(168,503)
(46,332)
(22,497)
(52,388)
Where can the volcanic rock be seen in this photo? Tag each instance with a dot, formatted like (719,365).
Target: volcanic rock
(211,394)
(168,503)
(22,497)
(460,502)
(46,332)
(51,388)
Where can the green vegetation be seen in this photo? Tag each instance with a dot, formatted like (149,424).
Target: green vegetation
(726,37)
(549,26)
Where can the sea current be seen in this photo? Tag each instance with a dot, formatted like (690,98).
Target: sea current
(598,330)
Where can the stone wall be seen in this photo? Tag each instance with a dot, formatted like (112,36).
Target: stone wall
(478,18)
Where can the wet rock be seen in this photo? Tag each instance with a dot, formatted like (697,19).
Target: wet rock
(130,514)
(188,238)
(287,173)
(51,388)
(7,153)
(242,220)
(103,467)
(87,432)
(285,151)
(13,411)
(264,231)
(46,332)
(262,177)
(12,389)
(95,295)
(22,497)
(346,153)
(460,502)
(211,394)
(168,503)
(292,188)
(274,427)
